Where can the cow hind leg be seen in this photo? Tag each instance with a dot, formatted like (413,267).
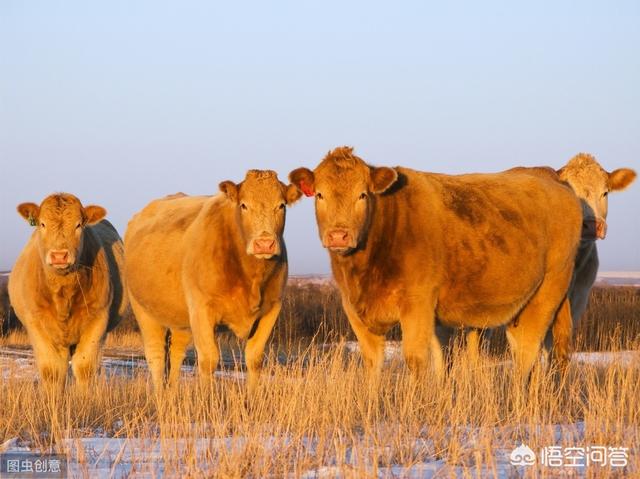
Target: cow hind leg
(180,339)
(154,340)
(562,336)
(526,333)
(202,328)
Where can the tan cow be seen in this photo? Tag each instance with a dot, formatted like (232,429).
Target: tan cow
(194,262)
(479,250)
(592,184)
(67,286)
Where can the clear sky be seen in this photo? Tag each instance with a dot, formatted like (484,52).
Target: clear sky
(121,102)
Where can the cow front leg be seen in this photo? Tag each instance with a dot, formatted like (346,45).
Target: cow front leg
(52,361)
(254,350)
(180,339)
(420,345)
(86,357)
(371,345)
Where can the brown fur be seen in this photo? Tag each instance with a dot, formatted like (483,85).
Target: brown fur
(190,268)
(591,184)
(471,250)
(68,309)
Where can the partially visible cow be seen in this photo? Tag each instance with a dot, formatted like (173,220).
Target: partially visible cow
(194,262)
(67,286)
(479,250)
(592,184)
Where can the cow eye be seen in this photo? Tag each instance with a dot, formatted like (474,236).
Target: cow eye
(243,206)
(319,196)
(42,225)
(282,206)
(363,196)
(605,194)
(78,226)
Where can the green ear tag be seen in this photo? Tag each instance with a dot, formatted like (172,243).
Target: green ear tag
(32,221)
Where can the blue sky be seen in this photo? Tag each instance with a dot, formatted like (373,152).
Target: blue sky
(121,102)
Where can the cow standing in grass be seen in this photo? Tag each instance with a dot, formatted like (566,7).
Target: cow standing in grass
(480,250)
(592,184)
(67,286)
(194,262)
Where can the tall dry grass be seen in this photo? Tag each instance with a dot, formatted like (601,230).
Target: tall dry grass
(318,412)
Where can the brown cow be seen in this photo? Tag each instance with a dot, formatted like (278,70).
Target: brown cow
(591,184)
(67,286)
(194,262)
(480,250)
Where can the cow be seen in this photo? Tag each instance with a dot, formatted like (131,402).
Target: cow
(194,262)
(591,183)
(478,250)
(67,286)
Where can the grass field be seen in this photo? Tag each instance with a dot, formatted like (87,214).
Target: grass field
(315,415)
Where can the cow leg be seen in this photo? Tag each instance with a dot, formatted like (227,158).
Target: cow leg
(525,335)
(371,345)
(562,334)
(52,361)
(254,350)
(154,338)
(202,328)
(180,339)
(420,345)
(86,357)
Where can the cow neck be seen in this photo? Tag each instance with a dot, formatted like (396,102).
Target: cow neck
(375,246)
(585,249)
(65,289)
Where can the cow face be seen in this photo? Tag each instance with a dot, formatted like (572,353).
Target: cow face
(345,188)
(261,201)
(592,184)
(60,221)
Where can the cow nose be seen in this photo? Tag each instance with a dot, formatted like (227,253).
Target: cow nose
(264,246)
(338,238)
(59,257)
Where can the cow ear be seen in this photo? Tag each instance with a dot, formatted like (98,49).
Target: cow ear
(230,189)
(94,214)
(621,178)
(30,212)
(382,178)
(292,194)
(304,180)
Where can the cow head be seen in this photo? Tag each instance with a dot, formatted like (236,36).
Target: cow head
(60,221)
(345,188)
(592,184)
(261,201)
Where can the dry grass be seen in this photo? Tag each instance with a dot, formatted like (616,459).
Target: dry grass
(314,409)
(318,411)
